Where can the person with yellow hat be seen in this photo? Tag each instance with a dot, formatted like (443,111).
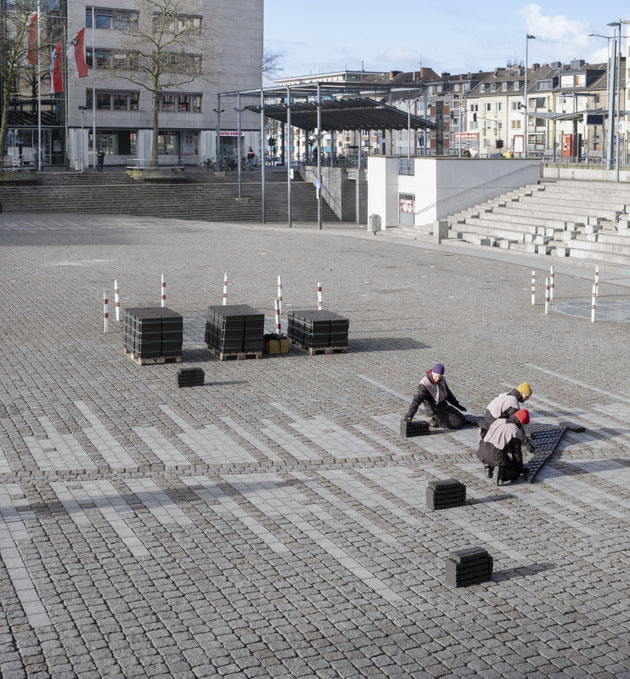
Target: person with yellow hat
(501,447)
(505,405)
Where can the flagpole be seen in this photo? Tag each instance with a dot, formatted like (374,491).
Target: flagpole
(67,95)
(93,91)
(39,94)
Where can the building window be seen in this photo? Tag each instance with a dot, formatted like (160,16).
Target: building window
(110,59)
(482,88)
(183,23)
(544,84)
(566,81)
(516,85)
(580,80)
(516,105)
(499,106)
(113,100)
(516,124)
(111,19)
(180,103)
(504,87)
(488,108)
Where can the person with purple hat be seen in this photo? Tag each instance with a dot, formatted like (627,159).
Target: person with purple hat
(434,393)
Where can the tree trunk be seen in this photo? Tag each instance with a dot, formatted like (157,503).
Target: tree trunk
(154,142)
(6,95)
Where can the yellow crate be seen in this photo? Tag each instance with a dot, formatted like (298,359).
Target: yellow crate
(274,346)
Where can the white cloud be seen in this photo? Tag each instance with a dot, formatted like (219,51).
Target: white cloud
(401,56)
(556,29)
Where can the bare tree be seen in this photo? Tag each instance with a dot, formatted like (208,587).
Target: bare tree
(13,51)
(169,45)
(271,63)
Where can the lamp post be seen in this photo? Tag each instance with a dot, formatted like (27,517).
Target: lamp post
(617,26)
(611,71)
(528,37)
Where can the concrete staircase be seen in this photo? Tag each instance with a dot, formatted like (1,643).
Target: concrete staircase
(203,195)
(566,218)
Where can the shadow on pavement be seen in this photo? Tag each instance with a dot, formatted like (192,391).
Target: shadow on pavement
(522,571)
(361,344)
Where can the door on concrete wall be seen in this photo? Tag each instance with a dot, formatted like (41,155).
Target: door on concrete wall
(406,203)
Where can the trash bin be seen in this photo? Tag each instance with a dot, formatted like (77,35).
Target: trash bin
(374,223)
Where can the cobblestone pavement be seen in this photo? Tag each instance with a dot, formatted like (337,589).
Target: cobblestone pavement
(273,523)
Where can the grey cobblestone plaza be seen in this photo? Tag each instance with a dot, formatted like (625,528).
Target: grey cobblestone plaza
(273,523)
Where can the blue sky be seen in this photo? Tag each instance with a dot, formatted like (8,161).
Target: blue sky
(452,35)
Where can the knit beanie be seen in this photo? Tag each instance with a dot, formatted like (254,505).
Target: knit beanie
(524,388)
(438,369)
(522,416)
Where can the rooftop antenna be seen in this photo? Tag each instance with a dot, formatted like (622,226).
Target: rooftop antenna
(362,65)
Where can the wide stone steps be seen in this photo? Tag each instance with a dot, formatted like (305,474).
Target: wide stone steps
(214,202)
(522,217)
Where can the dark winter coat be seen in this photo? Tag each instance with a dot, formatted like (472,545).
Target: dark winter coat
(504,405)
(501,447)
(434,396)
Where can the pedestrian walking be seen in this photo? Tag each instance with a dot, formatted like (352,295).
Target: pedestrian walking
(434,393)
(501,448)
(250,158)
(100,160)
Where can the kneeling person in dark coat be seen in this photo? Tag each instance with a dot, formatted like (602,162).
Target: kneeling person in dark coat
(501,447)
(434,393)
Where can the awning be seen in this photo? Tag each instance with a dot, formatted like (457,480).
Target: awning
(345,114)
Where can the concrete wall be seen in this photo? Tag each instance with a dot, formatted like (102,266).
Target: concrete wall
(443,186)
(589,173)
(339,191)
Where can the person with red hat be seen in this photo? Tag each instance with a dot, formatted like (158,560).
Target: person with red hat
(501,447)
(434,393)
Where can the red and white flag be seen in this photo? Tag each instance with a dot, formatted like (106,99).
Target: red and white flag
(79,53)
(31,39)
(56,75)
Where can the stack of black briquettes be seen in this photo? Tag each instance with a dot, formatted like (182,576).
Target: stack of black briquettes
(470,566)
(445,494)
(234,328)
(190,377)
(316,328)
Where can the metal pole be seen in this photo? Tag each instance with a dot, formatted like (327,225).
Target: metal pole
(262,153)
(332,148)
(426,103)
(408,133)
(39,92)
(618,111)
(611,102)
(357,188)
(82,142)
(319,156)
(93,90)
(239,146)
(289,215)
(217,150)
(525,88)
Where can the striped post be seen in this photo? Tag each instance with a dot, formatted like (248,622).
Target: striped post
(319,296)
(597,281)
(593,303)
(117,300)
(280,293)
(546,295)
(163,298)
(105,311)
(276,304)
(552,282)
(224,289)
(533,288)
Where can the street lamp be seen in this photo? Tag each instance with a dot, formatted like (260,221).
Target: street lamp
(528,37)
(617,26)
(612,75)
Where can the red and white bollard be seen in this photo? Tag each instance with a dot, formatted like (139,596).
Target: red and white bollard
(117,300)
(319,296)
(593,303)
(276,305)
(105,311)
(552,282)
(224,289)
(546,295)
(533,288)
(280,293)
(163,298)
(597,281)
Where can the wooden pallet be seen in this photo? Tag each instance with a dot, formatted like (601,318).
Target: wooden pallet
(158,360)
(315,351)
(236,356)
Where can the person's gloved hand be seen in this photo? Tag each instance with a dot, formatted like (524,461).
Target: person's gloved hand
(525,474)
(461,407)
(408,418)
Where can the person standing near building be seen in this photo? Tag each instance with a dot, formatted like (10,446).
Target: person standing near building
(250,158)
(100,160)
(436,396)
(501,447)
